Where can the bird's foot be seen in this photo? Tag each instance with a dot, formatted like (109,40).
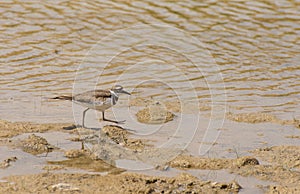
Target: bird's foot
(117,122)
(82,126)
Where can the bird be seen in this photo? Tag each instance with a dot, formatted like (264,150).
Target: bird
(99,100)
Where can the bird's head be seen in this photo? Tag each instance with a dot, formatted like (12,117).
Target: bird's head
(118,89)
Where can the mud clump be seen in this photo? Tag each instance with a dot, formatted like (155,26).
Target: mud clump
(256,117)
(183,161)
(7,162)
(296,123)
(115,133)
(53,167)
(227,186)
(121,136)
(245,161)
(155,113)
(75,153)
(64,187)
(36,145)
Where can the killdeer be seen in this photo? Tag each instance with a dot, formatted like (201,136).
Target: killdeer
(97,99)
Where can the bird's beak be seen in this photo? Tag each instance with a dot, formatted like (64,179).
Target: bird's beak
(123,91)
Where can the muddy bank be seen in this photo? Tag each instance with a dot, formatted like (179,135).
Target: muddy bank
(10,129)
(279,164)
(121,183)
(288,156)
(184,161)
(259,117)
(283,166)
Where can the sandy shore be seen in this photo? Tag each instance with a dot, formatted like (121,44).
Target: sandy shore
(279,164)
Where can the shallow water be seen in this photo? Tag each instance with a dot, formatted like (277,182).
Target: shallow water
(27,163)
(249,184)
(244,54)
(33,164)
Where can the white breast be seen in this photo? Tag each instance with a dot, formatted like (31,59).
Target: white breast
(97,105)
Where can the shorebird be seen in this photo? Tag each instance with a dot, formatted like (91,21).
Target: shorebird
(99,100)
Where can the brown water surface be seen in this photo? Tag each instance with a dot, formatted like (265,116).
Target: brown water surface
(189,50)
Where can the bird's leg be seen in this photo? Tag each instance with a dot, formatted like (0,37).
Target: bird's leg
(104,119)
(83,116)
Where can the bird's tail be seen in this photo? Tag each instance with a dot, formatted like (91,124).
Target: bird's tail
(63,98)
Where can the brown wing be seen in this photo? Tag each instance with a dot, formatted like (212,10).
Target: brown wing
(92,96)
(102,93)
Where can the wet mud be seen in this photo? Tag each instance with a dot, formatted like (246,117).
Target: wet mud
(120,183)
(279,164)
(10,129)
(259,117)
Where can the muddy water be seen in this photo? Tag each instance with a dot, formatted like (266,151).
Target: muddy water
(243,53)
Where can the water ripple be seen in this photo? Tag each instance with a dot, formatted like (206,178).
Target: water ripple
(255,44)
